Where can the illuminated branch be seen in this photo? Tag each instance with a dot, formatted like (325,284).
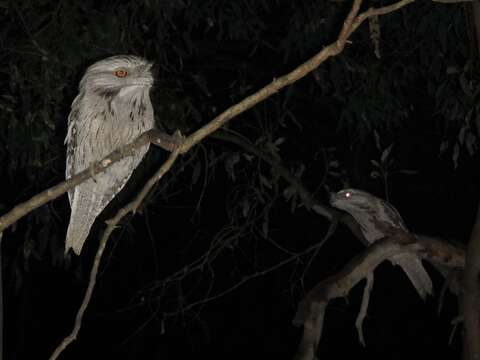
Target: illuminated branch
(155,137)
(310,312)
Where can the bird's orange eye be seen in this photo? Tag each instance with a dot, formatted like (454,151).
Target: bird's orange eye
(121,73)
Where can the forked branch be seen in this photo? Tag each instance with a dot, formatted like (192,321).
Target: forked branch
(362,267)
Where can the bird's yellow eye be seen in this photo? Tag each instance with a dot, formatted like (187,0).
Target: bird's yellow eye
(121,73)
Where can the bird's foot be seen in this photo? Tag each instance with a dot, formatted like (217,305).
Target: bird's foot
(170,142)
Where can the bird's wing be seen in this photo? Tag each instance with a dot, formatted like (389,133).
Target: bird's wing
(413,267)
(71,142)
(87,199)
(379,219)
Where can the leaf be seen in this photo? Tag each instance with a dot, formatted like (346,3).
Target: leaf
(375,175)
(443,147)
(245,208)
(265,227)
(248,157)
(279,141)
(334,164)
(289,192)
(456,154)
(471,143)
(377,139)
(299,172)
(461,135)
(230,163)
(265,182)
(386,153)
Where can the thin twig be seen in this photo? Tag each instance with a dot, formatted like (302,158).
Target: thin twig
(111,226)
(155,137)
(308,199)
(431,249)
(350,24)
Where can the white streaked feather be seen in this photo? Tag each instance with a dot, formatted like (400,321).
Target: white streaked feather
(109,112)
(376,219)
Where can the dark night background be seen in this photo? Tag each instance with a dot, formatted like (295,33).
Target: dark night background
(222,217)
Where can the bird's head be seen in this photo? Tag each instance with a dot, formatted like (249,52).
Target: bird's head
(376,217)
(117,76)
(353,200)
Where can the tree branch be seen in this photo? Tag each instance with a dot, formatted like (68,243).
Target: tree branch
(350,25)
(439,252)
(154,136)
(277,84)
(308,199)
(112,224)
(374,12)
(360,267)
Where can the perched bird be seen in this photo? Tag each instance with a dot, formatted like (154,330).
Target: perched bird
(112,108)
(379,219)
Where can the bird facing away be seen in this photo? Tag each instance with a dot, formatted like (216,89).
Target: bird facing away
(112,108)
(379,219)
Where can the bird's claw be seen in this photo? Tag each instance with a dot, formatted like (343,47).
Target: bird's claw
(170,142)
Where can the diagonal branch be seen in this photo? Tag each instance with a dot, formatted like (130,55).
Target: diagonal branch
(154,136)
(112,224)
(277,84)
(308,199)
(311,311)
(351,23)
(372,12)
(360,267)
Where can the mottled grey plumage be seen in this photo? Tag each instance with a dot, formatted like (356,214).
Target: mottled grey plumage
(112,108)
(379,219)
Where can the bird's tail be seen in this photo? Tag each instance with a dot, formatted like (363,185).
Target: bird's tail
(413,267)
(85,208)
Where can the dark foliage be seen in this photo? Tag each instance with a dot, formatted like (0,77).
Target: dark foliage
(404,125)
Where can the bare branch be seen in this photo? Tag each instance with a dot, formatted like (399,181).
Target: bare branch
(312,332)
(307,197)
(448,258)
(350,25)
(112,224)
(363,265)
(294,256)
(131,207)
(277,84)
(376,12)
(364,307)
(155,137)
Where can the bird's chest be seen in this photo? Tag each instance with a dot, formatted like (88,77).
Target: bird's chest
(115,124)
(377,222)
